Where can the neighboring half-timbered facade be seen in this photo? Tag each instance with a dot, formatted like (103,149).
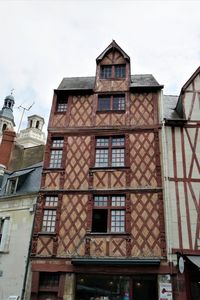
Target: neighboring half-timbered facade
(182,190)
(99,230)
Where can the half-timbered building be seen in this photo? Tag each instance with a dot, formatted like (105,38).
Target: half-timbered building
(99,230)
(182,186)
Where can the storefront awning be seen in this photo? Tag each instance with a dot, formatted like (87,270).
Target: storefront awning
(116,262)
(195,260)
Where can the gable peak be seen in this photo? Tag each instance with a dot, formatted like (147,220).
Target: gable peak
(113,45)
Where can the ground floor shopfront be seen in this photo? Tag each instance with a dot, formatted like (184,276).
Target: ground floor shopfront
(130,281)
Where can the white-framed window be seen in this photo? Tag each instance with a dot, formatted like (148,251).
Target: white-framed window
(4,234)
(11,186)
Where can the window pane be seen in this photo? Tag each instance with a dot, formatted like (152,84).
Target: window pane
(101,158)
(106,72)
(118,141)
(62,106)
(100,200)
(117,221)
(118,201)
(117,157)
(120,71)
(55,159)
(57,143)
(119,102)
(102,142)
(104,103)
(51,201)
(49,220)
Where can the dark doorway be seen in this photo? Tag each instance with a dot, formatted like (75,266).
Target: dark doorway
(144,287)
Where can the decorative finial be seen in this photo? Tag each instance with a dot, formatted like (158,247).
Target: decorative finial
(12,91)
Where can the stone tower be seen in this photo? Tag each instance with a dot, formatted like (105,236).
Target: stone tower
(6,114)
(33,134)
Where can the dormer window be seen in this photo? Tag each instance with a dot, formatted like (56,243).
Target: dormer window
(120,71)
(106,72)
(11,186)
(113,71)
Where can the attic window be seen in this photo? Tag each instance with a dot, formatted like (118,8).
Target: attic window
(16,181)
(113,71)
(120,71)
(11,186)
(106,72)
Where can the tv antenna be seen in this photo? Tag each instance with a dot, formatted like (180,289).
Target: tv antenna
(23,110)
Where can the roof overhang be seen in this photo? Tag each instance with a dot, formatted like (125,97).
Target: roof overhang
(116,262)
(147,88)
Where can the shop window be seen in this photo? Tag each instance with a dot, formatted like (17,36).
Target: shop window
(102,287)
(108,215)
(56,153)
(111,102)
(49,214)
(110,152)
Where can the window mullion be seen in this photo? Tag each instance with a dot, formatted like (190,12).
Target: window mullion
(110,152)
(109,214)
(111,102)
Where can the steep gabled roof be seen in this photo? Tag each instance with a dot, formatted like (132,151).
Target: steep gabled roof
(190,80)
(113,45)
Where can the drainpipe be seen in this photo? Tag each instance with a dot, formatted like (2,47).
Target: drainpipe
(167,204)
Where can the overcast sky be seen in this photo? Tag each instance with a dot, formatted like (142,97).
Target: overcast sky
(44,41)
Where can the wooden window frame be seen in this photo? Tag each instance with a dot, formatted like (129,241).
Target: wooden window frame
(56,153)
(61,106)
(113,74)
(109,148)
(50,205)
(124,71)
(104,70)
(109,207)
(112,105)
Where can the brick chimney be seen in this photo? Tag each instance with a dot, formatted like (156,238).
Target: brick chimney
(6,146)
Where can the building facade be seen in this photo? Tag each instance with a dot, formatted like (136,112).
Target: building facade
(20,177)
(182,186)
(18,196)
(99,231)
